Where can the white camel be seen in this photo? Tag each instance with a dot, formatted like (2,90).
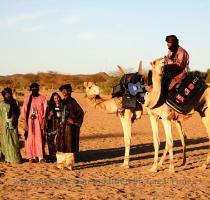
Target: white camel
(151,101)
(112,106)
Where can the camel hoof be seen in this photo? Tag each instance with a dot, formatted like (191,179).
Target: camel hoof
(171,169)
(153,169)
(125,166)
(203,167)
(160,165)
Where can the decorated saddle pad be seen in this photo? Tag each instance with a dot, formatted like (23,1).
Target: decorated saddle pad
(186,96)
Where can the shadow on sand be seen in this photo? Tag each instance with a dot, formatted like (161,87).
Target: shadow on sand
(102,157)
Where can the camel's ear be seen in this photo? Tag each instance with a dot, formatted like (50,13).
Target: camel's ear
(151,63)
(122,71)
(140,68)
(89,84)
(85,84)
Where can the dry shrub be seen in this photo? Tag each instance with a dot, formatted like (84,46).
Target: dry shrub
(50,80)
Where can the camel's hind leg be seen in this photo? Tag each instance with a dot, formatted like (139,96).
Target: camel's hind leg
(183,140)
(160,164)
(206,121)
(156,141)
(126,125)
(169,142)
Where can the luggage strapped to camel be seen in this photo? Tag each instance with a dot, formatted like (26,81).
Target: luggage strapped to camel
(131,89)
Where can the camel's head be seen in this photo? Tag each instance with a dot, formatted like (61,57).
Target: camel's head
(91,89)
(158,66)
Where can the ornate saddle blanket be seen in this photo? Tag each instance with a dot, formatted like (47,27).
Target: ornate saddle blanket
(185,97)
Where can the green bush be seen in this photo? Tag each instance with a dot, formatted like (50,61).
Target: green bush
(106,86)
(203,75)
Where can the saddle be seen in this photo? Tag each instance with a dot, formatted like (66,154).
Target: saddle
(184,97)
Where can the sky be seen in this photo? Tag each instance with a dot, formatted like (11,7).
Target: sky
(90,36)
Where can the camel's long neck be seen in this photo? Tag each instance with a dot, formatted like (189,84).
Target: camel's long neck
(155,93)
(106,106)
(156,81)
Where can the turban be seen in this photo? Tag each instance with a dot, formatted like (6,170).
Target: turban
(67,87)
(34,85)
(6,90)
(172,39)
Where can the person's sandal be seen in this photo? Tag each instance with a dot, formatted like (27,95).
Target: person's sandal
(42,161)
(31,160)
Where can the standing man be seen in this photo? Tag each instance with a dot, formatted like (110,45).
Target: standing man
(9,114)
(177,61)
(67,141)
(34,110)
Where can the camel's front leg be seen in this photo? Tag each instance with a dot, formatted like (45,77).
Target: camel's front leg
(126,125)
(156,141)
(169,142)
(205,120)
(183,140)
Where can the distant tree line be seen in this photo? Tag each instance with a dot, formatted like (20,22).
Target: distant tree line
(52,80)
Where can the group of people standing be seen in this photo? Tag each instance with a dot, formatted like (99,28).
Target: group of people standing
(57,121)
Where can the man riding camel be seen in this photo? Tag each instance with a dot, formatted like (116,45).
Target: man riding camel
(176,68)
(177,62)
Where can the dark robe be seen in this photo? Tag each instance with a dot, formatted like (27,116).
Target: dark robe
(67,140)
(53,123)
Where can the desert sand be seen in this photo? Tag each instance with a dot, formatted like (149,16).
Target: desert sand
(98,173)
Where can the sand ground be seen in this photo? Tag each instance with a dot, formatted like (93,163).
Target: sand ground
(98,174)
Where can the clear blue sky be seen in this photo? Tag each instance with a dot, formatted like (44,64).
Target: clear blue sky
(88,36)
